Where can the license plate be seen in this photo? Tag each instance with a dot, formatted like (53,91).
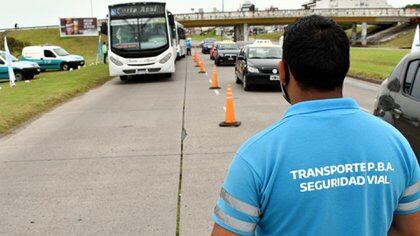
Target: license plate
(230,58)
(274,77)
(141,72)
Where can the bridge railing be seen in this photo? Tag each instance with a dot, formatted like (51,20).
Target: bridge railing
(346,12)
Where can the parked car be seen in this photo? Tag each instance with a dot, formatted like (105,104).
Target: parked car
(257,64)
(207,45)
(23,70)
(52,58)
(226,53)
(398,101)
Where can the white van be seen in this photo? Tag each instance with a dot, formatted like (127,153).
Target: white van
(52,58)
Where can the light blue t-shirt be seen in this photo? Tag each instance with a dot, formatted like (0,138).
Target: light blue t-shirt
(326,168)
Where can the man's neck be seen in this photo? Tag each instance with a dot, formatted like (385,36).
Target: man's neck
(316,95)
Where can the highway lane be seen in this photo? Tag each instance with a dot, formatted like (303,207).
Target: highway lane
(108,162)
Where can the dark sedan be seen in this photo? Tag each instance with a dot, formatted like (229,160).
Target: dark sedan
(226,54)
(207,45)
(257,65)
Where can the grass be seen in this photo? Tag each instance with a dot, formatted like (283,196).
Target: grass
(374,63)
(274,37)
(211,34)
(27,100)
(403,40)
(84,46)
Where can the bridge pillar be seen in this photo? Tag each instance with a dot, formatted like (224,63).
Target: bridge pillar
(364,34)
(353,33)
(246,33)
(237,33)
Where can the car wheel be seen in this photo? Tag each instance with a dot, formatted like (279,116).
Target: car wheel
(19,76)
(65,67)
(245,84)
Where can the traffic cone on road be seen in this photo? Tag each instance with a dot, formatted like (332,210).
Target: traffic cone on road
(196,56)
(202,68)
(230,120)
(198,62)
(214,80)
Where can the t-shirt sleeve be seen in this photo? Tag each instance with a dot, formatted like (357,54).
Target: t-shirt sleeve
(238,208)
(410,201)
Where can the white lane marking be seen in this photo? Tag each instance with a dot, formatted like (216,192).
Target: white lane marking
(216,91)
(224,108)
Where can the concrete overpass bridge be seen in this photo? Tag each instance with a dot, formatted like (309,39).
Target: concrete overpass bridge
(241,20)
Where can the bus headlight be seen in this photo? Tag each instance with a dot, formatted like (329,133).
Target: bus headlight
(166,58)
(116,61)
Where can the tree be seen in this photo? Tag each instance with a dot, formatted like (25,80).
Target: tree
(411,6)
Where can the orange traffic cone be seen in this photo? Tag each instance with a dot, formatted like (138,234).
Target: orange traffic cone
(198,62)
(202,68)
(196,56)
(230,120)
(214,80)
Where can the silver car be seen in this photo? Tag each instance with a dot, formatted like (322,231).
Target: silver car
(398,101)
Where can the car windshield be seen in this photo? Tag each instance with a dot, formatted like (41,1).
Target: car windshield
(139,33)
(265,53)
(228,47)
(209,40)
(3,56)
(61,52)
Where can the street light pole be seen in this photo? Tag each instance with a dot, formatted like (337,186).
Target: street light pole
(223,11)
(91,8)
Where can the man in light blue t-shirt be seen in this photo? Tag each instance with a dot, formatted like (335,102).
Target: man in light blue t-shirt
(327,167)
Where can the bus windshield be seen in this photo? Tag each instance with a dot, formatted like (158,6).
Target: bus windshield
(139,33)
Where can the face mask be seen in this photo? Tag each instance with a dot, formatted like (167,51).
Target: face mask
(283,86)
(285,94)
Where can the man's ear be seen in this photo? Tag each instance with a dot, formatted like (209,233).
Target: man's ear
(282,72)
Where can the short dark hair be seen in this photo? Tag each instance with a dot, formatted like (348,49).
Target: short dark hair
(317,51)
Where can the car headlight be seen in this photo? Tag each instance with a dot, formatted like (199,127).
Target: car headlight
(115,61)
(253,69)
(166,58)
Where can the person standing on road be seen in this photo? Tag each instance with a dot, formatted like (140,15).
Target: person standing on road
(105,51)
(327,167)
(188,46)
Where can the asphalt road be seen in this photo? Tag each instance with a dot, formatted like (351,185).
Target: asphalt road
(109,162)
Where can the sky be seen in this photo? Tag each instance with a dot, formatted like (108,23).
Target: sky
(47,12)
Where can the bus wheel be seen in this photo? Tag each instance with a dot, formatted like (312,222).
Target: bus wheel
(19,75)
(65,67)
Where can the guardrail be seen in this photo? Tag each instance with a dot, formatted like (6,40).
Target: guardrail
(346,12)
(31,28)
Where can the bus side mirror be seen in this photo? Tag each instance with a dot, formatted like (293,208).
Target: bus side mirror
(104,28)
(171,19)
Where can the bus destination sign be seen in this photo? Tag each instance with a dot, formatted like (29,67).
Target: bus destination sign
(135,10)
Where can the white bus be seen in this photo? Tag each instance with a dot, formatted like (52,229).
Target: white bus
(142,39)
(181,32)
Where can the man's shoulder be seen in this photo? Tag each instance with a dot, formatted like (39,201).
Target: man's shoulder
(262,138)
(282,132)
